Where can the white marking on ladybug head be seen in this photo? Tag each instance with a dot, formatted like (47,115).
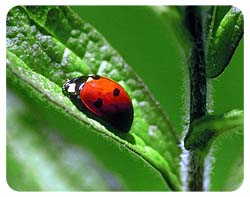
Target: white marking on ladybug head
(71,87)
(89,79)
(80,87)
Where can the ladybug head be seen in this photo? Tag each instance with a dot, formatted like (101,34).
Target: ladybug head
(72,87)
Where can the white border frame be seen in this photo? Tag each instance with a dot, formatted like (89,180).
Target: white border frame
(6,6)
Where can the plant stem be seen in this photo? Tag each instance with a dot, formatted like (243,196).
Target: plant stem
(198,91)
(196,171)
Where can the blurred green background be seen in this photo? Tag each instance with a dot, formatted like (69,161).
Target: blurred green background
(150,47)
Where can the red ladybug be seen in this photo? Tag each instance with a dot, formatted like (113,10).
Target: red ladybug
(101,99)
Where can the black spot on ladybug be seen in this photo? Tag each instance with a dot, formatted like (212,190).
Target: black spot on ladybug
(95,77)
(98,103)
(116,92)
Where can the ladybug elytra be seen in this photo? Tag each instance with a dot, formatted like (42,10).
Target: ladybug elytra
(102,99)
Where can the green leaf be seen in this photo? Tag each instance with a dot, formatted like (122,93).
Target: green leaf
(213,137)
(217,141)
(228,150)
(173,16)
(41,57)
(226,169)
(52,151)
(34,162)
(204,130)
(223,31)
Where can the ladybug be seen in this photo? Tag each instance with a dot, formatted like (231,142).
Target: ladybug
(102,99)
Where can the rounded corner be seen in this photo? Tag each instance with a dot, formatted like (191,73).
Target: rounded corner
(10,9)
(10,186)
